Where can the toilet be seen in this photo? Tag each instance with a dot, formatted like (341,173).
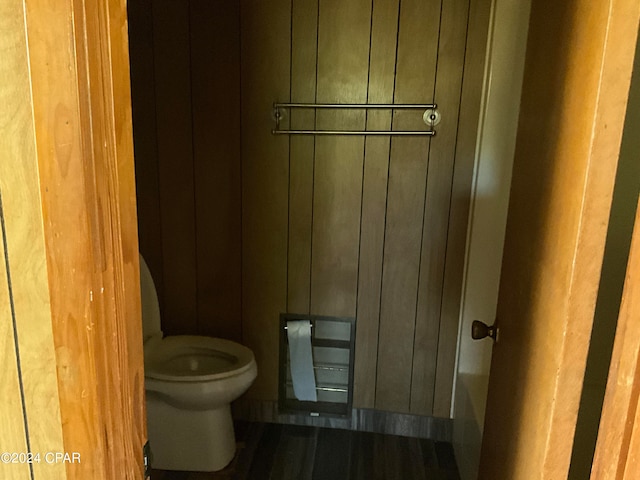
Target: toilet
(190,382)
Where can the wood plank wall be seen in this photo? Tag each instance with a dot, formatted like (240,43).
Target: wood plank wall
(186,104)
(365,228)
(30,408)
(265,169)
(239,225)
(72,373)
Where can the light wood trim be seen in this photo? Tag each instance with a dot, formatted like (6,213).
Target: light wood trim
(58,142)
(617,453)
(82,111)
(131,426)
(617,62)
(577,73)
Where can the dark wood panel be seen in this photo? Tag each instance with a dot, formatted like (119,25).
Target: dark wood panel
(143,101)
(304,31)
(175,163)
(374,199)
(303,224)
(215,94)
(343,64)
(429,327)
(265,77)
(415,77)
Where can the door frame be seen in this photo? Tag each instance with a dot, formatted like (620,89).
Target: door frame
(568,149)
(82,122)
(76,59)
(617,452)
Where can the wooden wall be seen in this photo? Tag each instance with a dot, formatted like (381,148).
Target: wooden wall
(71,370)
(353,226)
(30,408)
(185,74)
(239,225)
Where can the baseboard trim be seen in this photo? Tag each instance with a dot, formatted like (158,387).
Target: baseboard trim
(365,420)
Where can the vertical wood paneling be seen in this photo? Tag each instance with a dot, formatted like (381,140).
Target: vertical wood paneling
(430,328)
(30,309)
(328,225)
(304,34)
(215,83)
(143,101)
(479,11)
(188,159)
(415,77)
(175,163)
(14,437)
(24,281)
(265,78)
(343,65)
(16,142)
(374,197)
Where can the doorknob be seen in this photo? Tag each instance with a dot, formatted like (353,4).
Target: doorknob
(481,330)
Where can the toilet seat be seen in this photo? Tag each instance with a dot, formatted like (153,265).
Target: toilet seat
(190,358)
(190,382)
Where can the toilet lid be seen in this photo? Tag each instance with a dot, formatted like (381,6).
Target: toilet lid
(149,299)
(184,358)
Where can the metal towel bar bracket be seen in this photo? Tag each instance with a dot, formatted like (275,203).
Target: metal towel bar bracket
(356,106)
(429,108)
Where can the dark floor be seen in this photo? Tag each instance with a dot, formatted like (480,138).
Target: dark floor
(288,452)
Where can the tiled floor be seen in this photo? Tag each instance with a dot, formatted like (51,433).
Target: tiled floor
(289,452)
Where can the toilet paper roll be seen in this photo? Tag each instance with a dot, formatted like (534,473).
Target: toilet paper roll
(301,360)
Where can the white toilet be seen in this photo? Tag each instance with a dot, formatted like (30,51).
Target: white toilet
(190,382)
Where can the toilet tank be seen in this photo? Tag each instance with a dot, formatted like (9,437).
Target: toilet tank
(150,306)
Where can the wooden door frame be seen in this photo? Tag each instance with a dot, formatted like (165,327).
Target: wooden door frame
(570,157)
(82,122)
(617,452)
(76,59)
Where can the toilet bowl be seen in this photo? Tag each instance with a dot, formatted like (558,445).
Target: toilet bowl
(190,382)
